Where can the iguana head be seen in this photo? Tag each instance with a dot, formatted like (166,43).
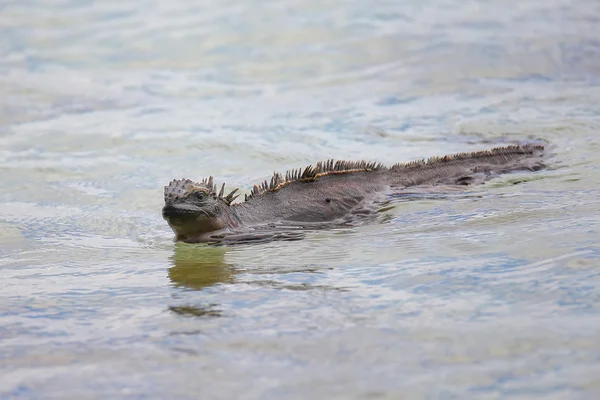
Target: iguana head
(193,209)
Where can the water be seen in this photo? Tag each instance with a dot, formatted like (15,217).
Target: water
(494,294)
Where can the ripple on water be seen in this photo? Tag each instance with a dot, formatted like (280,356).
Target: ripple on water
(489,293)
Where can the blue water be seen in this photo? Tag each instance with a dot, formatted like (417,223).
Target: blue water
(490,295)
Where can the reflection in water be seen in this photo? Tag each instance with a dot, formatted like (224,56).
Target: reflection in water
(196,311)
(198,267)
(296,286)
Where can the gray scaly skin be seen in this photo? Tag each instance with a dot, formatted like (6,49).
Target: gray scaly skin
(329,191)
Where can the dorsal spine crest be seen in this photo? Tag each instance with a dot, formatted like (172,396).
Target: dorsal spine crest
(312,173)
(338,167)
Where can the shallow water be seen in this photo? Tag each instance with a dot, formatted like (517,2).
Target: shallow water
(494,294)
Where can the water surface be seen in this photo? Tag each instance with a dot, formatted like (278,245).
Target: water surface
(494,294)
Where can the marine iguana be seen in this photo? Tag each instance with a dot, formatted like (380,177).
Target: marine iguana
(328,191)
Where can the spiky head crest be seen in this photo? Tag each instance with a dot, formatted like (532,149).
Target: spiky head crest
(178,189)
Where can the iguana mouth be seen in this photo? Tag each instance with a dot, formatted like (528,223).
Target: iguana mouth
(180,211)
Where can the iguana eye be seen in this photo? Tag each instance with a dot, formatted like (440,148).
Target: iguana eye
(200,195)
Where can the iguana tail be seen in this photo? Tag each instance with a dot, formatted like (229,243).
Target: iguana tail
(468,168)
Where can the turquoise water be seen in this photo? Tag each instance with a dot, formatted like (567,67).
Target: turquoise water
(491,295)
